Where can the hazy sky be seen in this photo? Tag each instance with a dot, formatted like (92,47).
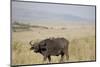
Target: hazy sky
(26,11)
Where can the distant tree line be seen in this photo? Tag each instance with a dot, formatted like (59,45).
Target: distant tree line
(18,26)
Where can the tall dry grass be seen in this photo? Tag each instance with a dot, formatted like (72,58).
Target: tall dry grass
(81,47)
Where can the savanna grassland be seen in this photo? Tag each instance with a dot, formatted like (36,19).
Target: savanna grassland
(80,36)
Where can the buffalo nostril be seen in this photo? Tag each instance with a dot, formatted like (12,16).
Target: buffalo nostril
(31,48)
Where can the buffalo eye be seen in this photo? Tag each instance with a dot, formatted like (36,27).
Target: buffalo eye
(43,49)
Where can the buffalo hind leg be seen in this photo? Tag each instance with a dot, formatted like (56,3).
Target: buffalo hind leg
(67,55)
(62,57)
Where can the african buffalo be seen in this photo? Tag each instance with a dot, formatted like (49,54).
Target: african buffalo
(51,47)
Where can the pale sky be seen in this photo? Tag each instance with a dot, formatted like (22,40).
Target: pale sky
(30,11)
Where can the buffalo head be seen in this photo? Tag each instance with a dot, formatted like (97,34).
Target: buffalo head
(34,47)
(38,47)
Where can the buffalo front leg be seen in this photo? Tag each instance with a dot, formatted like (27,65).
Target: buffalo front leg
(49,58)
(44,59)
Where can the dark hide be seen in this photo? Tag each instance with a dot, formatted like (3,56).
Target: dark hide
(52,47)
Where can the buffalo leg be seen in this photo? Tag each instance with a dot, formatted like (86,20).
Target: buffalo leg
(49,58)
(67,55)
(45,57)
(62,56)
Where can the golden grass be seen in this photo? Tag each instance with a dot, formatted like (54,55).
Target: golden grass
(81,47)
